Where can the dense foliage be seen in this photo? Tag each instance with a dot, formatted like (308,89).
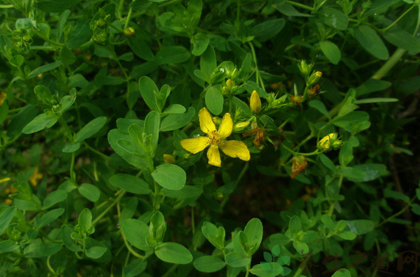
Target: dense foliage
(206,137)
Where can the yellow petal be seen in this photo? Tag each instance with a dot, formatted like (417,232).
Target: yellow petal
(195,145)
(206,122)
(255,102)
(213,155)
(235,149)
(226,126)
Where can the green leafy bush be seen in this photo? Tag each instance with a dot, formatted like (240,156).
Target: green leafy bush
(189,138)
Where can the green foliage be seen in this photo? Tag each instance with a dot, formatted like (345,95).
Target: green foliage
(188,138)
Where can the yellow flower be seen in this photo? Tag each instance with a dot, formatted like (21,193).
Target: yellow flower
(216,139)
(326,142)
(8,201)
(35,177)
(2,97)
(255,102)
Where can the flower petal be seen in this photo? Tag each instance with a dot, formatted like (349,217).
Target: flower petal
(206,122)
(213,155)
(226,126)
(235,149)
(195,145)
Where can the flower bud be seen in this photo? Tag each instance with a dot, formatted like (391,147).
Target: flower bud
(314,78)
(230,83)
(255,102)
(235,74)
(129,31)
(299,164)
(328,142)
(8,202)
(239,127)
(304,68)
(168,159)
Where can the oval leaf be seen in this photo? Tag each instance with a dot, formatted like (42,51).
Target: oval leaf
(174,253)
(170,176)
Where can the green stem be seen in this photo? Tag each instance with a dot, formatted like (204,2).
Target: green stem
(398,19)
(96,151)
(69,133)
(47,39)
(127,20)
(398,213)
(6,6)
(50,267)
(331,209)
(302,266)
(241,174)
(316,152)
(258,78)
(117,200)
(300,5)
(131,250)
(392,61)
(46,48)
(170,270)
(72,174)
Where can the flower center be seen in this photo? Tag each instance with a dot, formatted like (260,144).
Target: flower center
(214,138)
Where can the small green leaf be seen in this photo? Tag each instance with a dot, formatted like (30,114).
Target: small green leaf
(333,18)
(50,216)
(91,128)
(8,246)
(369,39)
(319,106)
(39,123)
(342,272)
(136,267)
(254,233)
(90,192)
(54,198)
(150,93)
(402,39)
(361,226)
(174,253)
(235,259)
(170,176)
(347,235)
(39,250)
(268,29)
(331,51)
(208,62)
(136,232)
(176,121)
(209,264)
(96,252)
(172,54)
(6,217)
(71,147)
(130,183)
(214,100)
(79,34)
(295,224)
(45,68)
(140,48)
(200,42)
